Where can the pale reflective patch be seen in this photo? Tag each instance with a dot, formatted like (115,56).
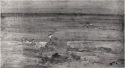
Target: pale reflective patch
(42,44)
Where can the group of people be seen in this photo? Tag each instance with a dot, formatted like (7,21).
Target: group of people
(40,44)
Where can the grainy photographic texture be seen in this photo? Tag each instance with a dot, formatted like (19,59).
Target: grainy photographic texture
(62,34)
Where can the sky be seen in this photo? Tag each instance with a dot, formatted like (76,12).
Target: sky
(63,6)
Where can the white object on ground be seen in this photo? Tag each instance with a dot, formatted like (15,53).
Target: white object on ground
(40,44)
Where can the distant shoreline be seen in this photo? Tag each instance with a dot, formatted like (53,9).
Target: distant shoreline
(54,14)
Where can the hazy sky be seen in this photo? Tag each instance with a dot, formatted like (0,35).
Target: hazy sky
(63,6)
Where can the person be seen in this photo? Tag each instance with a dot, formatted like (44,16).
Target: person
(23,39)
(33,42)
(50,35)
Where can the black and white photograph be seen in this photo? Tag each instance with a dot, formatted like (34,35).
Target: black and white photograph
(62,34)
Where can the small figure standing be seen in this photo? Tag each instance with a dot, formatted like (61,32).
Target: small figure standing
(50,35)
(23,39)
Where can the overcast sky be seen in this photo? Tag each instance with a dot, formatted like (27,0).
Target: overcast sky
(63,6)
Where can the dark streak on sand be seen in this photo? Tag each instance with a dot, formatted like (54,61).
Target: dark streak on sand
(54,14)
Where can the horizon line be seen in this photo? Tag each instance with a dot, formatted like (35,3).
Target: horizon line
(55,14)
